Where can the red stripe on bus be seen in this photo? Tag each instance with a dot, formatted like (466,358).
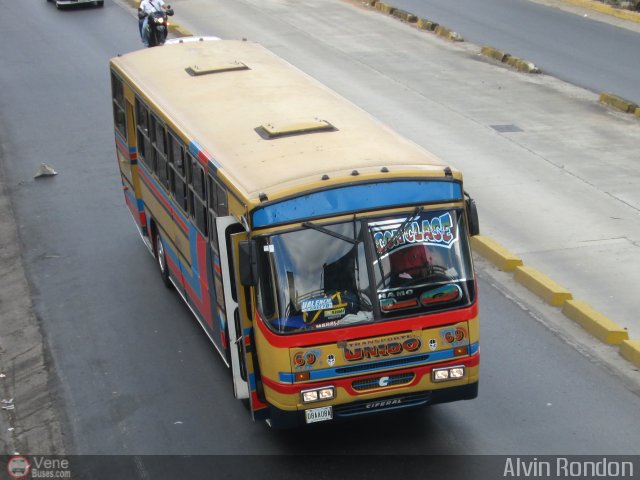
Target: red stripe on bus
(162,199)
(345,383)
(367,330)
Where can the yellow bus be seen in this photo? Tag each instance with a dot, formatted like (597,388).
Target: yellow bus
(326,257)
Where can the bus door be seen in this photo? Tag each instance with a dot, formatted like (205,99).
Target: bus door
(243,339)
(233,298)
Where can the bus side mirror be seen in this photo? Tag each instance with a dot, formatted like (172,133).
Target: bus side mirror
(472,215)
(248,263)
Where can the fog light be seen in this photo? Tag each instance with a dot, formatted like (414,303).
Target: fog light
(318,394)
(326,393)
(310,396)
(450,373)
(439,375)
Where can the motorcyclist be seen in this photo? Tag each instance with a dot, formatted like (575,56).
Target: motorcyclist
(146,8)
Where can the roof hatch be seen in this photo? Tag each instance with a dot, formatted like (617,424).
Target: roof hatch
(217,67)
(275,130)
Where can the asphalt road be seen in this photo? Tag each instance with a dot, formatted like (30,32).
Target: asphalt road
(132,371)
(588,53)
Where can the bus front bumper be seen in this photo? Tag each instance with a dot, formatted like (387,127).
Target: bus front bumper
(282,419)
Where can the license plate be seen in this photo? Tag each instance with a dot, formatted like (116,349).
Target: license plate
(318,414)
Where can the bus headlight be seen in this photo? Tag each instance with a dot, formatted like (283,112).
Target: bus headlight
(449,373)
(318,394)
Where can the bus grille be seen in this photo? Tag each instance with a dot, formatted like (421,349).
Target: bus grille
(389,381)
(384,364)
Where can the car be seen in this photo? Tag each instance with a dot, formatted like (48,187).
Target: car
(65,3)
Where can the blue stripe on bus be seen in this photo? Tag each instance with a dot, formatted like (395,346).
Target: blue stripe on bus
(353,198)
(197,151)
(325,373)
(192,280)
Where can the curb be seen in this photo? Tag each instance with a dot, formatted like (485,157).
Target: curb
(516,62)
(606,9)
(498,255)
(630,349)
(619,103)
(592,321)
(420,23)
(541,285)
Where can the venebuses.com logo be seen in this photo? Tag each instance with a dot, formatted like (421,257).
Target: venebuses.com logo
(20,466)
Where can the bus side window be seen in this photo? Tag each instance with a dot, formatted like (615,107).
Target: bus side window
(119,118)
(213,240)
(159,142)
(217,198)
(142,126)
(177,172)
(213,232)
(197,195)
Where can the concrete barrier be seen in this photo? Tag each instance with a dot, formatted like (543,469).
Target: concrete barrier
(630,349)
(542,286)
(594,322)
(424,24)
(385,8)
(522,65)
(495,253)
(444,32)
(404,15)
(494,53)
(618,103)
(515,62)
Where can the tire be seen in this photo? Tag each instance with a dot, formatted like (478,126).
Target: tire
(100,3)
(161,256)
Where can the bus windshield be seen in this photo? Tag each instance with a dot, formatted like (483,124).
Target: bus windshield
(343,274)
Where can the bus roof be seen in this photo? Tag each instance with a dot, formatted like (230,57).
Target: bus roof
(268,127)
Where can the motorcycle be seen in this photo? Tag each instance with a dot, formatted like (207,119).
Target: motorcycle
(158,25)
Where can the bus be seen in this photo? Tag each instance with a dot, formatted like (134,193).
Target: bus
(326,257)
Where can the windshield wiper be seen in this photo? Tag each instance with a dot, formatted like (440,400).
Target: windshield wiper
(400,231)
(330,232)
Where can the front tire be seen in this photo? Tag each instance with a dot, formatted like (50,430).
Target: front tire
(161,256)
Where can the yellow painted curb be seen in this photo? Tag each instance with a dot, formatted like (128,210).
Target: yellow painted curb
(594,322)
(406,16)
(385,7)
(521,65)
(494,53)
(448,34)
(541,285)
(495,253)
(618,103)
(630,349)
(607,9)
(424,24)
(179,30)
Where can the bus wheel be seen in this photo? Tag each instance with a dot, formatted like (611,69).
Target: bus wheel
(162,262)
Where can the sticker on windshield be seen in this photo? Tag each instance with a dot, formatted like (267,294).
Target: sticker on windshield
(439,230)
(315,304)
